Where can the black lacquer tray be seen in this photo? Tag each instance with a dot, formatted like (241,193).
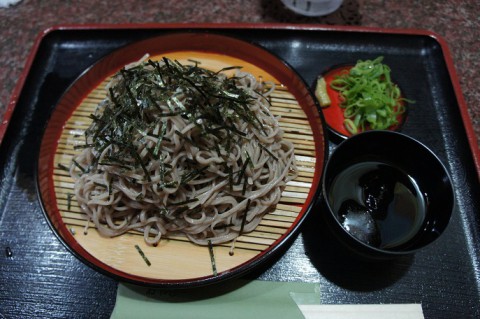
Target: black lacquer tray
(39,277)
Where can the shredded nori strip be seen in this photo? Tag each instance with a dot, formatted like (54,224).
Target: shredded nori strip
(138,104)
(63,167)
(69,200)
(188,201)
(223,226)
(244,217)
(268,151)
(79,166)
(210,103)
(145,259)
(212,258)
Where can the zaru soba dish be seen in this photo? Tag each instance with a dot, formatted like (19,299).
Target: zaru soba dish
(180,149)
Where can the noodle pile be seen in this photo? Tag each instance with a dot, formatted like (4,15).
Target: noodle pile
(180,149)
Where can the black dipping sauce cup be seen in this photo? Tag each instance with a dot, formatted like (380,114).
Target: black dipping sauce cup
(386,194)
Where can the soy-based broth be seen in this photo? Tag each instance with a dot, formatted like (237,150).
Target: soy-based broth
(378,204)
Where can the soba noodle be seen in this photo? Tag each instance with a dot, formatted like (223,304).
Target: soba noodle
(180,149)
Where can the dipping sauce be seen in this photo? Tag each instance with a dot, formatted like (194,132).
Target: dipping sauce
(378,203)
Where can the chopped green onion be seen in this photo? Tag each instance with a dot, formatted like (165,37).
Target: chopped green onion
(350,126)
(321,92)
(369,98)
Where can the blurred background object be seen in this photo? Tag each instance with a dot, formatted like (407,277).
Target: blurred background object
(346,13)
(8,3)
(313,8)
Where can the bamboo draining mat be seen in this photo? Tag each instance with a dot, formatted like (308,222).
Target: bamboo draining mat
(175,258)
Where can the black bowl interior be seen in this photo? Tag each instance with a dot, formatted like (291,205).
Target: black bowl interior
(412,157)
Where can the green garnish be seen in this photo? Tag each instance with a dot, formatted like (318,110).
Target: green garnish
(321,92)
(369,97)
(350,126)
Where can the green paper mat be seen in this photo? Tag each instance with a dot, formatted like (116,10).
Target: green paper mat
(235,299)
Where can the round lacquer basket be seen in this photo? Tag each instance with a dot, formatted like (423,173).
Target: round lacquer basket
(176,262)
